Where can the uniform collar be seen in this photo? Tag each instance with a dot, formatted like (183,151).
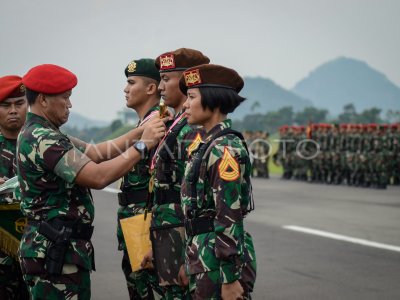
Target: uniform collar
(227,123)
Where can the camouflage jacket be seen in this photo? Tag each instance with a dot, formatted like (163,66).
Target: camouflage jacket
(47,165)
(137,179)
(168,174)
(7,164)
(7,170)
(223,193)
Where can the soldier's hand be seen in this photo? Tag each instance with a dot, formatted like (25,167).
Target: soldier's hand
(182,278)
(154,132)
(2,181)
(147,261)
(232,291)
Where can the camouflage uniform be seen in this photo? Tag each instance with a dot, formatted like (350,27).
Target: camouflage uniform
(224,253)
(167,215)
(133,201)
(48,164)
(12,285)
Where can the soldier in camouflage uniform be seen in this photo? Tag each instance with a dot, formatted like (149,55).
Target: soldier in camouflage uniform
(13,108)
(260,150)
(216,191)
(54,173)
(142,96)
(394,153)
(280,155)
(167,169)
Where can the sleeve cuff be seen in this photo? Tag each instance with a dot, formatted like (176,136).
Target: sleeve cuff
(229,272)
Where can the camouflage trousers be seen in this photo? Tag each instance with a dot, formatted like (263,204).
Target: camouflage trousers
(208,286)
(12,285)
(72,284)
(175,292)
(142,284)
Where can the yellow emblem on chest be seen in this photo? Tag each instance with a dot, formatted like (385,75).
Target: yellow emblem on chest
(194,145)
(20,225)
(228,167)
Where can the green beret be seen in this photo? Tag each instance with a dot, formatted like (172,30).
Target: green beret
(143,67)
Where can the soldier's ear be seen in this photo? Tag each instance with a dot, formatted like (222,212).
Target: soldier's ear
(42,100)
(152,88)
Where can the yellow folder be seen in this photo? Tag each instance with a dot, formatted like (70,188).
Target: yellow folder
(136,232)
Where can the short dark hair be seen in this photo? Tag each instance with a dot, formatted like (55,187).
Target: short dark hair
(31,96)
(218,97)
(148,81)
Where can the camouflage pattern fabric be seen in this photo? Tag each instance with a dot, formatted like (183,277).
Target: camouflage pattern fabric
(73,283)
(48,164)
(168,174)
(224,194)
(141,283)
(12,285)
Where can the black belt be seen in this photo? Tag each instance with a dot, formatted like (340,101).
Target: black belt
(133,197)
(167,196)
(199,225)
(79,231)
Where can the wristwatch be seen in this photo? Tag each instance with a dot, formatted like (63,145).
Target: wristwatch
(141,147)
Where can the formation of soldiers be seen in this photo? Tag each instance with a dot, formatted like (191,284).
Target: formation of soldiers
(260,148)
(199,246)
(365,155)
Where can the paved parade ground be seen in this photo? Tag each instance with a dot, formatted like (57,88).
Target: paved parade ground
(312,241)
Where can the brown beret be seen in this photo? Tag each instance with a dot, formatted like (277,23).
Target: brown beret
(49,79)
(180,60)
(210,76)
(10,87)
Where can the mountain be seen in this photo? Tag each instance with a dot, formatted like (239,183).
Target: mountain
(346,80)
(264,95)
(81,122)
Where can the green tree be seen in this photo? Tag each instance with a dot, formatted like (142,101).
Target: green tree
(311,114)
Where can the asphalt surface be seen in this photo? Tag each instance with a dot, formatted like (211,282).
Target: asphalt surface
(292,264)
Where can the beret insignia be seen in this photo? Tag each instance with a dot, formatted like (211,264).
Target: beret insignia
(132,67)
(192,77)
(167,61)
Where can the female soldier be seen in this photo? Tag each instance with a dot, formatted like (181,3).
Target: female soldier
(216,191)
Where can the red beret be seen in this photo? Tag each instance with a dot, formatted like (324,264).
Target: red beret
(180,60)
(49,79)
(11,86)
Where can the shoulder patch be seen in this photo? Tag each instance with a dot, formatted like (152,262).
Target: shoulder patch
(195,144)
(228,168)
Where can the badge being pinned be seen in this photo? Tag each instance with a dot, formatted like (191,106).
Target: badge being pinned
(194,145)
(228,167)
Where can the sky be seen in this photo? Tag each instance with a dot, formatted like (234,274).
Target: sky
(283,40)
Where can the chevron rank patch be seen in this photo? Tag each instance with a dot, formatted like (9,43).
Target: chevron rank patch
(195,144)
(228,167)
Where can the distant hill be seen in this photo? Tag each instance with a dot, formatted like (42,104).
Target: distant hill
(264,95)
(345,80)
(81,122)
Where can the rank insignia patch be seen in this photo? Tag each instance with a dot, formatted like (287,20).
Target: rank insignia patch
(195,144)
(132,67)
(167,61)
(228,167)
(192,77)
